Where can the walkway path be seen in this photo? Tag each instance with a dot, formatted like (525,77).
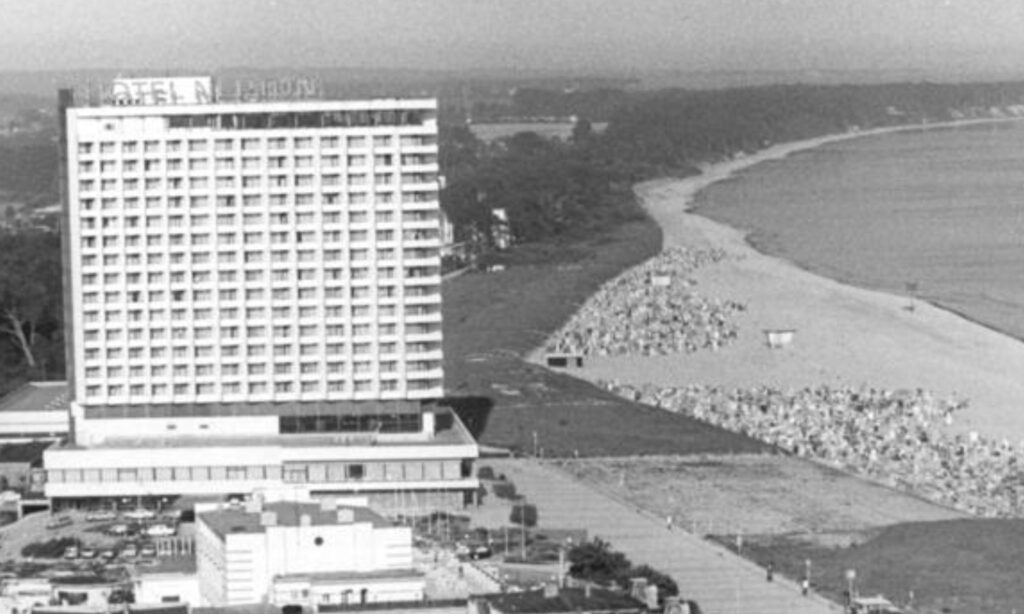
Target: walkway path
(719,581)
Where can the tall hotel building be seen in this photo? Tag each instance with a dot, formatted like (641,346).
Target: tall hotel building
(253,299)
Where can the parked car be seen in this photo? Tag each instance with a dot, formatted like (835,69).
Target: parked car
(71,552)
(60,522)
(107,554)
(101,515)
(120,528)
(130,551)
(147,550)
(87,553)
(140,513)
(160,530)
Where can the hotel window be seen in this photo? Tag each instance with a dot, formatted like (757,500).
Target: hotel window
(197,145)
(250,144)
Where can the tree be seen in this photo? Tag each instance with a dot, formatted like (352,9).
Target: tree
(595,561)
(524,514)
(582,131)
(30,291)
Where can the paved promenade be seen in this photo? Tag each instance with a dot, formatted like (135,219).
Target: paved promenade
(719,581)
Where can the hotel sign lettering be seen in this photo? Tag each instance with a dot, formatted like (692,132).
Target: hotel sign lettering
(168,91)
(263,90)
(203,90)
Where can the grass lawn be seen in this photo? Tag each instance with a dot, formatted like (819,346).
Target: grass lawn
(493,320)
(956,566)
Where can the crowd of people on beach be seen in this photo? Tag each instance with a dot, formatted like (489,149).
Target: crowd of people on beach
(897,438)
(651,310)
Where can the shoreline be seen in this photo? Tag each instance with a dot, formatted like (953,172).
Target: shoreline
(847,335)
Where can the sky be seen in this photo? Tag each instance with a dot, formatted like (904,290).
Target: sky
(523,35)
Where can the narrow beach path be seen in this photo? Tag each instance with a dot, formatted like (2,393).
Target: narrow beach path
(718,580)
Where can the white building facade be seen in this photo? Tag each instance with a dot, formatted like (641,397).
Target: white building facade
(289,552)
(252,288)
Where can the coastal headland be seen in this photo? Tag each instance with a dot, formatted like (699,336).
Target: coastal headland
(842,335)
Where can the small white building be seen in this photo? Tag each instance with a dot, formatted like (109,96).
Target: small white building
(303,553)
(163,587)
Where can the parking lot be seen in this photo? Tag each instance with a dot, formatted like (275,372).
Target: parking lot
(83,540)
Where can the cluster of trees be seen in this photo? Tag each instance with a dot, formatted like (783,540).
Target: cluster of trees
(31,308)
(596,561)
(581,186)
(673,130)
(547,188)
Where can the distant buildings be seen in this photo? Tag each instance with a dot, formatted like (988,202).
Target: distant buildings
(253,300)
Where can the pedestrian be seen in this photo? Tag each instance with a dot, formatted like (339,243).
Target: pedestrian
(770,571)
(805,587)
(668,522)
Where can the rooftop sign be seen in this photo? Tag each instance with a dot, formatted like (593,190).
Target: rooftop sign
(264,90)
(167,91)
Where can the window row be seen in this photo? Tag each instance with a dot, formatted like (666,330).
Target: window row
(312,350)
(251,143)
(198,220)
(161,204)
(230,182)
(142,391)
(292,472)
(229,163)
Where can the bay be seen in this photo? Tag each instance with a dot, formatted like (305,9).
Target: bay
(937,215)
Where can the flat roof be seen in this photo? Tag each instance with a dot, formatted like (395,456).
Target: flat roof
(238,520)
(326,577)
(567,600)
(278,106)
(449,431)
(37,396)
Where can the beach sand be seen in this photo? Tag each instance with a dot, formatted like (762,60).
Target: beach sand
(845,336)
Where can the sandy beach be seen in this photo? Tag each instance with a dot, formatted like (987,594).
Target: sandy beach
(844,335)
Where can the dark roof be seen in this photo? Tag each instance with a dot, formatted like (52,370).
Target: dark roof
(325,577)
(253,608)
(237,520)
(37,396)
(566,600)
(158,608)
(28,452)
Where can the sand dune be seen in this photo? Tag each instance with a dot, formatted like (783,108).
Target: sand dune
(844,335)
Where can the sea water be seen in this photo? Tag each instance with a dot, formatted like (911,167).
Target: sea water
(936,215)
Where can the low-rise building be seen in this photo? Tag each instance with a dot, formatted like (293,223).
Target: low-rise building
(297,552)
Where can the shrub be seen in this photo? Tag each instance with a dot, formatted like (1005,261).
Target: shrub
(504,490)
(485,473)
(525,514)
(50,549)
